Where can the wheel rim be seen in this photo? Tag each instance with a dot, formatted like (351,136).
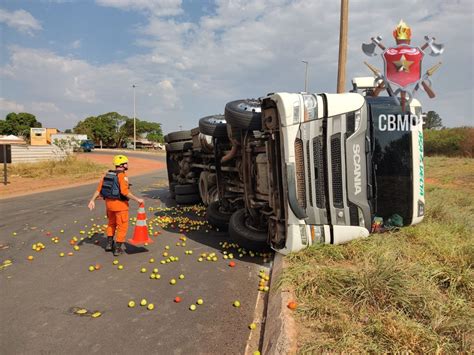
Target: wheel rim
(214,120)
(250,106)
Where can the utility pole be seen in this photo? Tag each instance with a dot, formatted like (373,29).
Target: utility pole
(134,121)
(305,76)
(341,71)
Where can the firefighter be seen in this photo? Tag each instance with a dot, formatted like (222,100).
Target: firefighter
(114,188)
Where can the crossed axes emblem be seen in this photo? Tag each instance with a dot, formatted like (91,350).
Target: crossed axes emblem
(402,34)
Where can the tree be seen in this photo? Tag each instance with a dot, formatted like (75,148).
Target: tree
(432,120)
(114,129)
(105,128)
(19,124)
(151,130)
(68,130)
(154,132)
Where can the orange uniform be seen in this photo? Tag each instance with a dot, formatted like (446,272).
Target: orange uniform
(117,210)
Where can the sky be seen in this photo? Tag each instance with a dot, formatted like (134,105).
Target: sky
(65,60)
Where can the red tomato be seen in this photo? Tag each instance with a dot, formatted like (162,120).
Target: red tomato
(292,305)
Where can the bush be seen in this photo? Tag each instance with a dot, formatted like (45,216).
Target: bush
(450,142)
(69,167)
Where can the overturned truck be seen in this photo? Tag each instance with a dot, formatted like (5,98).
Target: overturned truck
(293,169)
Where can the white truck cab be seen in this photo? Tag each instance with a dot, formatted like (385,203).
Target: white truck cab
(346,159)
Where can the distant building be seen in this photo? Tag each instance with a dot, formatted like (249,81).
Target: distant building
(41,136)
(143,143)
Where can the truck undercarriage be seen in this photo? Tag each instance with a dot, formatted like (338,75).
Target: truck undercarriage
(280,171)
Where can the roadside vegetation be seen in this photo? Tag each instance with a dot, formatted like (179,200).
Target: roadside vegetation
(114,129)
(450,141)
(406,291)
(70,167)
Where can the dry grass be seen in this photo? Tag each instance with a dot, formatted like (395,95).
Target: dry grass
(69,167)
(409,291)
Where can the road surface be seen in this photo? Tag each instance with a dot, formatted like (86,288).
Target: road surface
(38,297)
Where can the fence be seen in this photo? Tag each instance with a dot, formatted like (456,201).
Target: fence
(30,154)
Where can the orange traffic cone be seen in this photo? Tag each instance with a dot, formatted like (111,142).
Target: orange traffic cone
(140,235)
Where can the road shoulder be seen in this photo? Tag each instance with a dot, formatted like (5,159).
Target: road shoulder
(280,329)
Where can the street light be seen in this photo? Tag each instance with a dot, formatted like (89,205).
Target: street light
(305,76)
(134,121)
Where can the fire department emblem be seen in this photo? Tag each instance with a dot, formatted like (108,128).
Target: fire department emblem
(403,64)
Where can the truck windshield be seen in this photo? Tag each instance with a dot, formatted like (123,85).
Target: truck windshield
(392,161)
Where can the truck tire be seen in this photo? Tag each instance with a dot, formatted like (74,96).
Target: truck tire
(179,146)
(204,187)
(246,237)
(216,217)
(214,126)
(245,114)
(172,187)
(178,136)
(186,189)
(187,199)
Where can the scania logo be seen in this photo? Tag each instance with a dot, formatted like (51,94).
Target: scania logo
(357,172)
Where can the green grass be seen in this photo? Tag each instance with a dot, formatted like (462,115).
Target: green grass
(69,167)
(407,291)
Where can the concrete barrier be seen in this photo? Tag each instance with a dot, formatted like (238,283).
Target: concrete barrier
(280,336)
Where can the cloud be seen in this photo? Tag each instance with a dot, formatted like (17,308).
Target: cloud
(44,107)
(154,7)
(20,20)
(60,87)
(10,106)
(7,106)
(58,1)
(241,49)
(76,44)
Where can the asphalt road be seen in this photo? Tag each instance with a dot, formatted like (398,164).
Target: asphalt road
(38,296)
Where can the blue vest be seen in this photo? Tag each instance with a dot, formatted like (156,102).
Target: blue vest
(111,187)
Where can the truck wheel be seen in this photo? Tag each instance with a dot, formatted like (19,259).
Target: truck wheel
(244,235)
(214,126)
(244,114)
(186,189)
(187,199)
(217,217)
(178,136)
(179,146)
(204,187)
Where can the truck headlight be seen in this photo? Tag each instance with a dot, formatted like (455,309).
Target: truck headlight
(310,107)
(304,237)
(361,217)
(357,121)
(296,112)
(317,234)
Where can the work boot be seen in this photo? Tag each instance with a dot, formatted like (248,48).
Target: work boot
(118,249)
(110,244)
